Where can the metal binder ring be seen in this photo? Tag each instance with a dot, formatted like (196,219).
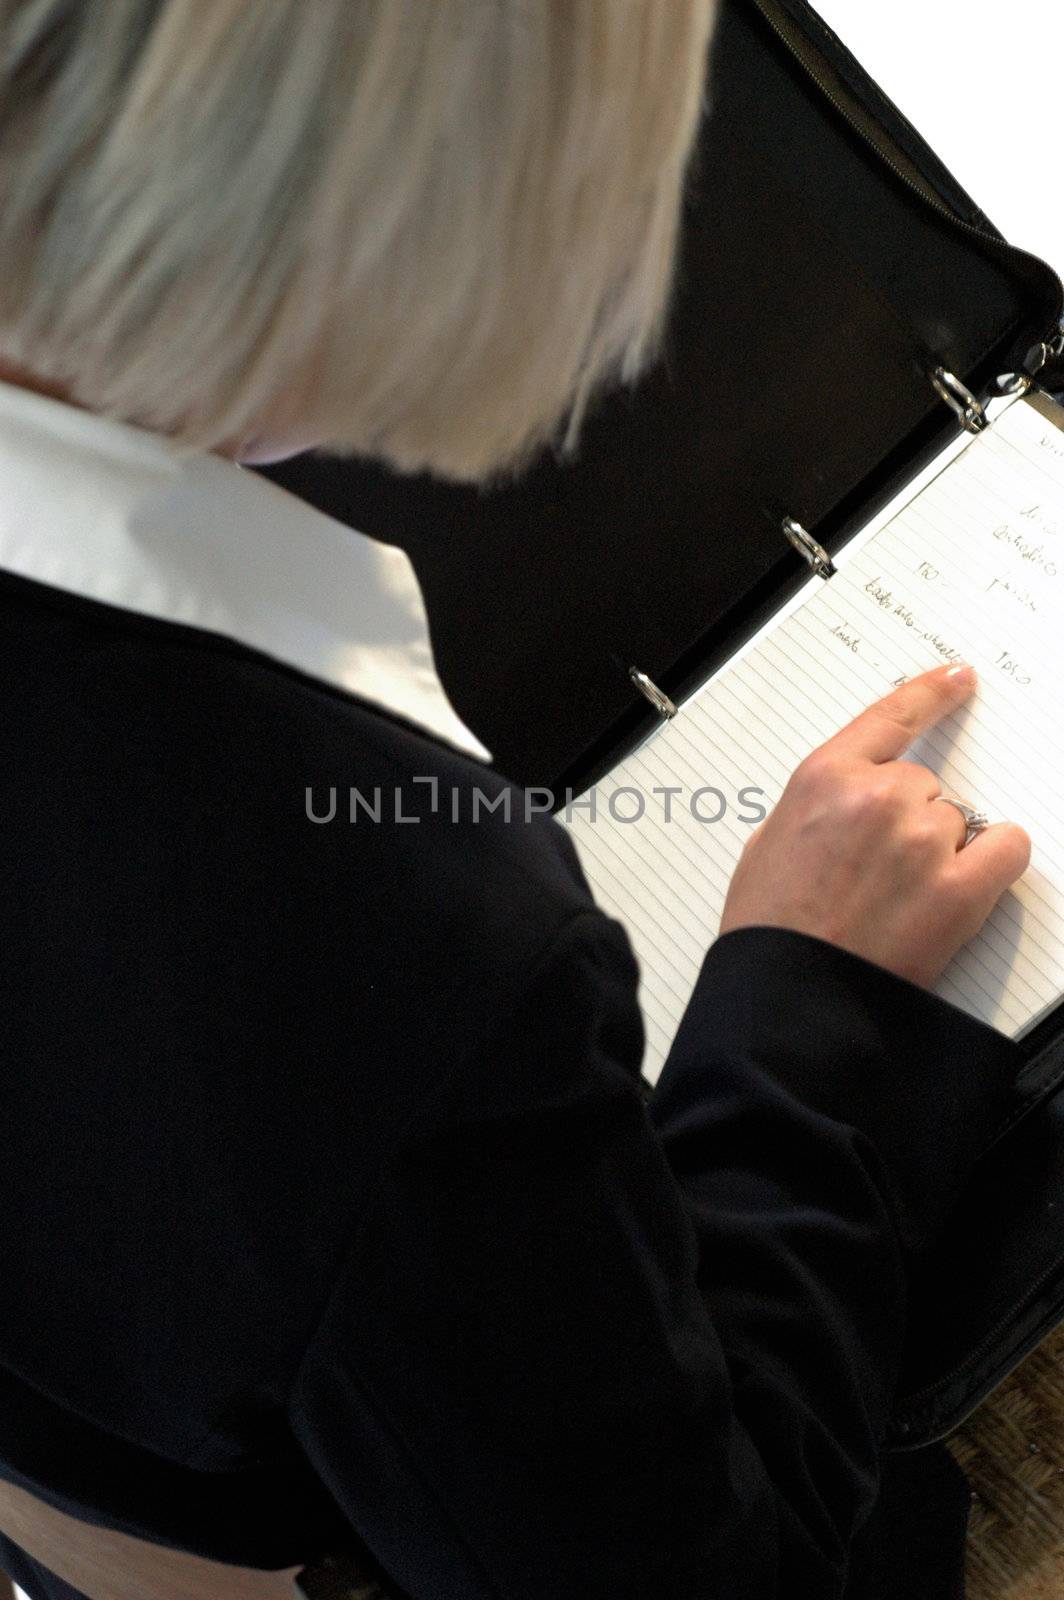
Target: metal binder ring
(1044,351)
(808,547)
(658,699)
(974,821)
(960,399)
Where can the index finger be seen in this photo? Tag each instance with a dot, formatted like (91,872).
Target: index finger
(887,729)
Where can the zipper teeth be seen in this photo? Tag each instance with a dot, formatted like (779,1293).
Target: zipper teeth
(981,1349)
(932,200)
(1048,1088)
(1051,1086)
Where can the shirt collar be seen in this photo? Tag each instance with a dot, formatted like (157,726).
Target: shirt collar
(113,512)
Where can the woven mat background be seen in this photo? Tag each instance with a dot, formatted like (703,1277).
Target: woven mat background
(1013,1452)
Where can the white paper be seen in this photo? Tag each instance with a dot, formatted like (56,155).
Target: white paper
(971,568)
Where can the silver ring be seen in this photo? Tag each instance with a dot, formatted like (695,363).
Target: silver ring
(974,821)
(657,697)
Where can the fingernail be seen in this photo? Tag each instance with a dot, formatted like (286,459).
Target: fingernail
(961,673)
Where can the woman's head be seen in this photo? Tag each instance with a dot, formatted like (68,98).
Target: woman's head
(422,230)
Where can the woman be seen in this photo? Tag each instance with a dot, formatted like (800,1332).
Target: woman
(335,1220)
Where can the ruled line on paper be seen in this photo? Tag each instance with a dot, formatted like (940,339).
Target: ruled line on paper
(971,568)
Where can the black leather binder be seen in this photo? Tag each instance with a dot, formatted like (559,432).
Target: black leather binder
(843,308)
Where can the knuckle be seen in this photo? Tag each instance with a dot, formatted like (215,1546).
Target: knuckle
(819,771)
(953,891)
(1014,846)
(1020,837)
(948,903)
(924,837)
(869,803)
(918,776)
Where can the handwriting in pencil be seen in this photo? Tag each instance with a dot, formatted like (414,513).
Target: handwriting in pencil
(843,634)
(1025,548)
(1036,514)
(1012,669)
(1006,586)
(885,599)
(1053,444)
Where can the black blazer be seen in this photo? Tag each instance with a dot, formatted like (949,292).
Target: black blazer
(334,1210)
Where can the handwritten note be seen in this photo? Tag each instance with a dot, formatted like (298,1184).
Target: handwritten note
(971,568)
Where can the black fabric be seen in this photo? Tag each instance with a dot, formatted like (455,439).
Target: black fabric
(334,1212)
(993,1286)
(912,1547)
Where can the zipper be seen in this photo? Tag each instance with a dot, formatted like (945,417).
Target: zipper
(903,1427)
(1047,1088)
(1049,347)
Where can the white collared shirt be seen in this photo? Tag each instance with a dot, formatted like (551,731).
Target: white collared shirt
(113,512)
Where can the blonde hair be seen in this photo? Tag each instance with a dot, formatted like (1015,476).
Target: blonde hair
(436,226)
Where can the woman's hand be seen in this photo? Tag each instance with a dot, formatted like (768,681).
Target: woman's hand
(856,853)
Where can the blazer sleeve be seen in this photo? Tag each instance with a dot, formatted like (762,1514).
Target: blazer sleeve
(586,1348)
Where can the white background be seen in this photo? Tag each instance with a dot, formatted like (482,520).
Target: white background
(980,80)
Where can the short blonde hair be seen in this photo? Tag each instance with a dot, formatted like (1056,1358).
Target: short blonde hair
(440,223)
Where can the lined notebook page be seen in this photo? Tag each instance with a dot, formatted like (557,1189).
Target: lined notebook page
(971,568)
